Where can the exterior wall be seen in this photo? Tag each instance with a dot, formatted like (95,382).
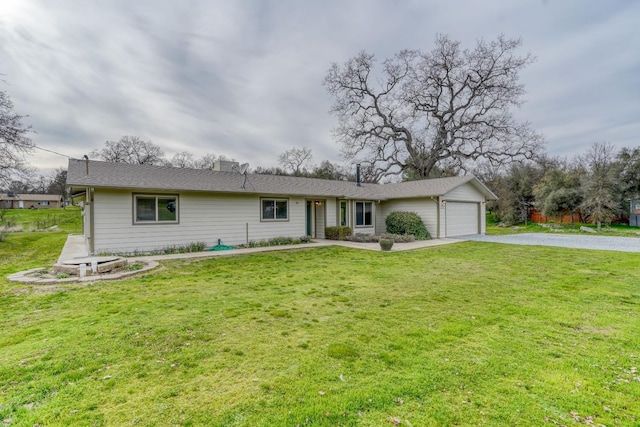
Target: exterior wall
(426,209)
(202,218)
(332,213)
(465,193)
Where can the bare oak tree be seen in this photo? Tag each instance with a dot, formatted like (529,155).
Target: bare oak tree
(14,143)
(294,159)
(130,149)
(429,111)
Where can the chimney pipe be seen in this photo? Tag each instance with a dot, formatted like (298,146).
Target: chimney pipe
(358,175)
(86,165)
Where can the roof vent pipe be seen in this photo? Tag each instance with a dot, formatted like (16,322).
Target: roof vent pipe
(86,165)
(358,175)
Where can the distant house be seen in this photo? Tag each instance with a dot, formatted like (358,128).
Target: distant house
(30,201)
(131,207)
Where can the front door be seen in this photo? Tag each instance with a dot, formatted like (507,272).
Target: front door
(309,217)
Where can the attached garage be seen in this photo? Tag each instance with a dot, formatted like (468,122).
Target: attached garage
(462,218)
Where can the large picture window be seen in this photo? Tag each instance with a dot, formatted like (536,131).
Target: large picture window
(275,210)
(364,214)
(155,209)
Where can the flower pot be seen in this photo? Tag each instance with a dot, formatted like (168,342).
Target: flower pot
(386,244)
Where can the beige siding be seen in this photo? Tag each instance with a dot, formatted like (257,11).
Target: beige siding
(425,208)
(332,213)
(202,218)
(465,193)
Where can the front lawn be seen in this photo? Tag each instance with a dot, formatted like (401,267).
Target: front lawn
(463,334)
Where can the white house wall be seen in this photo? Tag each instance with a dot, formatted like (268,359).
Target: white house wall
(202,218)
(332,213)
(426,209)
(465,193)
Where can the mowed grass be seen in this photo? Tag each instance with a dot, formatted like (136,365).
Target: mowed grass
(464,334)
(68,219)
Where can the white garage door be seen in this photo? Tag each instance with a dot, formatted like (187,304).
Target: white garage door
(462,218)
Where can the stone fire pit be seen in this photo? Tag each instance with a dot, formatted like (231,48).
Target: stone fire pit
(86,269)
(90,265)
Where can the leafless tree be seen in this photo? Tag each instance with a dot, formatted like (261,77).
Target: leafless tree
(130,149)
(183,159)
(425,111)
(207,161)
(14,143)
(293,160)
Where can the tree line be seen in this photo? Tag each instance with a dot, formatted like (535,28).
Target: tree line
(595,186)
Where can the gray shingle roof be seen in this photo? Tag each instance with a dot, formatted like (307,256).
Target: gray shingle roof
(165,178)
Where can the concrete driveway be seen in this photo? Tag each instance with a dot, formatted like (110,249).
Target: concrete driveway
(576,241)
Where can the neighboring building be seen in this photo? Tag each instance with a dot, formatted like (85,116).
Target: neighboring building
(30,201)
(130,207)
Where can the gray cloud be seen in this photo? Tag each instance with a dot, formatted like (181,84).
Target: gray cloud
(244,79)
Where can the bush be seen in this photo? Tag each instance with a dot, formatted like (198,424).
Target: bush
(363,238)
(399,238)
(406,223)
(337,233)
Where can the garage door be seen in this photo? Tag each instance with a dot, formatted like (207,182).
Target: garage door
(462,219)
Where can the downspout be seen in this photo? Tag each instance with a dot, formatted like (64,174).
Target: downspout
(439,216)
(90,193)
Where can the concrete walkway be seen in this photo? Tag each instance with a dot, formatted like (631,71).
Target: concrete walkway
(75,247)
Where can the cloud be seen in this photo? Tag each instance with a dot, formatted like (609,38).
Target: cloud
(244,79)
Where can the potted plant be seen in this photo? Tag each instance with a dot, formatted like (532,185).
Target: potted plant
(386,243)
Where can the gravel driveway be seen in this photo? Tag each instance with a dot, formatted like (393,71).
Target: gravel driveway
(603,243)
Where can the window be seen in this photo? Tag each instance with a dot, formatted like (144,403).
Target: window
(364,214)
(43,203)
(275,210)
(151,209)
(343,213)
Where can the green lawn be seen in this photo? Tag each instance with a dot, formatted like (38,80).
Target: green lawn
(68,219)
(556,228)
(464,334)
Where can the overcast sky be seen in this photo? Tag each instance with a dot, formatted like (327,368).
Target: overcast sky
(244,78)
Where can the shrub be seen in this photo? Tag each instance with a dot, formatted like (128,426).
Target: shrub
(363,238)
(399,238)
(337,233)
(406,223)
(276,241)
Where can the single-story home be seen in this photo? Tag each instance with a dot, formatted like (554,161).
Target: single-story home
(129,207)
(30,201)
